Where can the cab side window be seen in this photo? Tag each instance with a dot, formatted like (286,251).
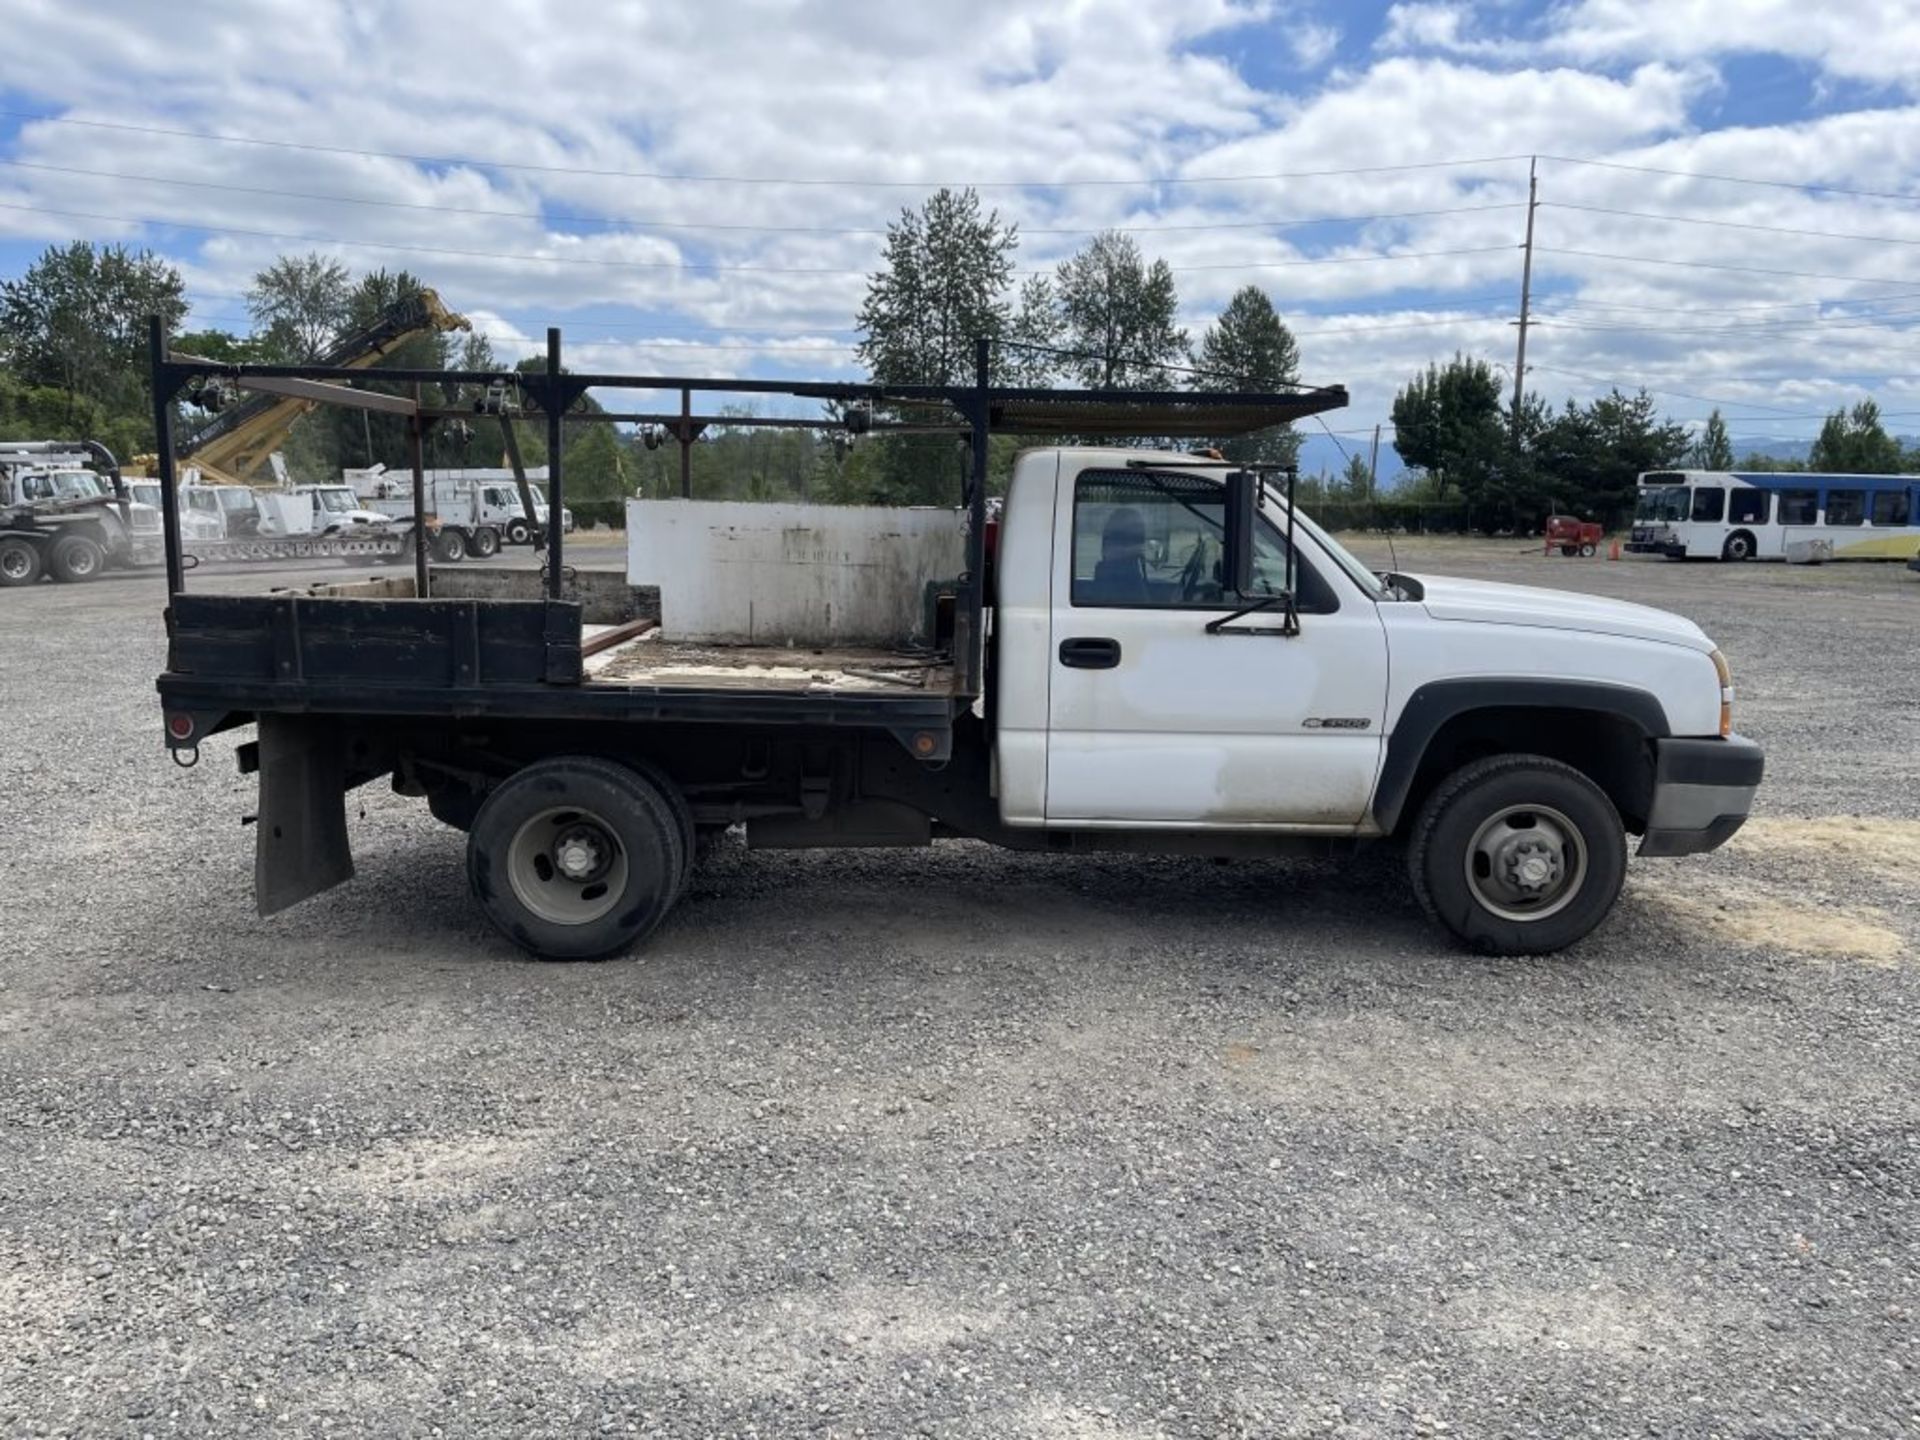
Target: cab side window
(1155,541)
(1709,503)
(1846,507)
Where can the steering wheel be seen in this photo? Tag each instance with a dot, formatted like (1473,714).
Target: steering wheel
(1194,574)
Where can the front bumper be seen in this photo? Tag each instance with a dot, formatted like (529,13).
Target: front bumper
(1702,791)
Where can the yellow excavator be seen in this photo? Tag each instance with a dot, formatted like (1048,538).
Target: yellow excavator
(232,448)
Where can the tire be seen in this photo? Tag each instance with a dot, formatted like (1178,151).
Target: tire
(1739,546)
(613,821)
(1510,808)
(519,532)
(683,817)
(1588,551)
(19,562)
(450,547)
(75,559)
(1568,550)
(484,543)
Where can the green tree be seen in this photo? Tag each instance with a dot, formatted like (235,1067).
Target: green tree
(1119,313)
(299,305)
(1713,450)
(1250,348)
(1449,423)
(77,320)
(594,469)
(1596,453)
(942,284)
(221,345)
(1855,443)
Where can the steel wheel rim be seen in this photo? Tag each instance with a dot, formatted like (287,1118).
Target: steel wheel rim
(567,866)
(80,560)
(16,562)
(1526,862)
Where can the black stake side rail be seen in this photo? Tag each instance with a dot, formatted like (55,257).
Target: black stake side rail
(981,408)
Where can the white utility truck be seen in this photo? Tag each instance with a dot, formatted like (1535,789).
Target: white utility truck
(1149,651)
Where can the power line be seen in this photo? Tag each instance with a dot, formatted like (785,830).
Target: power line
(1569,302)
(1682,394)
(1731,224)
(551,217)
(479,164)
(1743,269)
(684,264)
(1734,179)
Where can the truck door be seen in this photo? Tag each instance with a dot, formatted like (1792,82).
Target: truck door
(1152,721)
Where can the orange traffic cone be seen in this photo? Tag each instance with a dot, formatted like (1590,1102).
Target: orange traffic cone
(1614,553)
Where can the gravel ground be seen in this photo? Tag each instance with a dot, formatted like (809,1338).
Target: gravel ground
(957,1143)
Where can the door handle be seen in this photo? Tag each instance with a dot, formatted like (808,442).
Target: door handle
(1086,652)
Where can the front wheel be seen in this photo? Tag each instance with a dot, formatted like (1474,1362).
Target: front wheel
(1518,855)
(1739,546)
(519,532)
(577,858)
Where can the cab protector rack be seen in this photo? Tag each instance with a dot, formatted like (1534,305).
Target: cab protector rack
(232,659)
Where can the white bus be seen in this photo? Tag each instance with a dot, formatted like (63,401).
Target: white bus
(1726,515)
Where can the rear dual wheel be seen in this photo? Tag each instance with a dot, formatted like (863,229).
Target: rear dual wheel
(578,858)
(19,561)
(76,558)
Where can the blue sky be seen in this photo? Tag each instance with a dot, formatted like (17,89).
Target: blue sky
(700,190)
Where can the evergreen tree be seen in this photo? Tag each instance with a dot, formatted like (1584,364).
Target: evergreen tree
(1855,443)
(1250,348)
(1713,450)
(1449,423)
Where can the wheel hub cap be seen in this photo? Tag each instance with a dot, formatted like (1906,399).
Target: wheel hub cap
(579,854)
(1526,862)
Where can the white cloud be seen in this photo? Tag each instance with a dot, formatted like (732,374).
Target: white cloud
(1000,90)
(1312,43)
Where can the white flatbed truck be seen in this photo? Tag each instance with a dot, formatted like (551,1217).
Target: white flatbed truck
(1154,655)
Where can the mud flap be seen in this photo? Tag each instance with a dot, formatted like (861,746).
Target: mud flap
(302,846)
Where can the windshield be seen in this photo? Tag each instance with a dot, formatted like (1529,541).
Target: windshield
(77,484)
(336,501)
(231,499)
(146,494)
(1356,572)
(1664,504)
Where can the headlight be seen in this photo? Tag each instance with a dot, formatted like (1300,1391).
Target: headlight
(1725,672)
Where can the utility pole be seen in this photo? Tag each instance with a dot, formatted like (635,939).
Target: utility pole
(1373,466)
(1526,294)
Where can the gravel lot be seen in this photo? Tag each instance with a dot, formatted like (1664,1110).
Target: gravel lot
(957,1143)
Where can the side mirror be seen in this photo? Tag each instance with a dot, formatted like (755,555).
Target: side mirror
(1236,560)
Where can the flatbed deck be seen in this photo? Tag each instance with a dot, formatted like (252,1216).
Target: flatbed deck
(647,660)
